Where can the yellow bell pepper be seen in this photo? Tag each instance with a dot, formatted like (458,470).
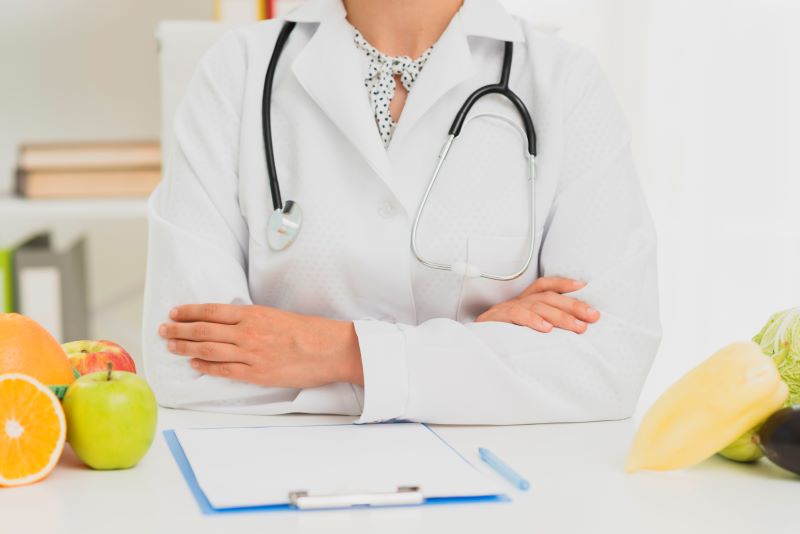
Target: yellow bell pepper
(728,394)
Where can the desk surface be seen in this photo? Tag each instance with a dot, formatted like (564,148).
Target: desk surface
(577,485)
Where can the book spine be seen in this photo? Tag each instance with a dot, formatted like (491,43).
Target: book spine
(241,11)
(50,287)
(6,280)
(20,178)
(74,305)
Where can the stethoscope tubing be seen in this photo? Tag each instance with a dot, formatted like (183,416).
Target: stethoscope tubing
(529,138)
(287,222)
(266,115)
(503,89)
(470,270)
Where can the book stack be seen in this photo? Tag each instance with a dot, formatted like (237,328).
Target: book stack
(279,8)
(241,11)
(245,11)
(83,170)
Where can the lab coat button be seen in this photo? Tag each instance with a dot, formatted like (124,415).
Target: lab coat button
(386,210)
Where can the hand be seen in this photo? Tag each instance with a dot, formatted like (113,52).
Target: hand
(543,306)
(264,346)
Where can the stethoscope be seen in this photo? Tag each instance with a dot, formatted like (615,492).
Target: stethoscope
(287,218)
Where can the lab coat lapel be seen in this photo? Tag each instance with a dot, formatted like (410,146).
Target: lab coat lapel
(449,65)
(451,62)
(329,69)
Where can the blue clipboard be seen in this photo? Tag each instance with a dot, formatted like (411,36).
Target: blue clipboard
(207,509)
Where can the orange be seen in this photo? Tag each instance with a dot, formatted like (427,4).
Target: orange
(32,430)
(26,347)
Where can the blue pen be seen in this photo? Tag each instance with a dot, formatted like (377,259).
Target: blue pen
(503,469)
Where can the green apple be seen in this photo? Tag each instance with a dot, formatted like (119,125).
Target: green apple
(111,419)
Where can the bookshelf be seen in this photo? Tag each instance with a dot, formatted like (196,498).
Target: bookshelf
(116,234)
(15,209)
(65,218)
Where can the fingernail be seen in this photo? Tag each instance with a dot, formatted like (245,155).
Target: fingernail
(580,324)
(578,283)
(195,364)
(173,312)
(171,345)
(162,330)
(545,324)
(592,312)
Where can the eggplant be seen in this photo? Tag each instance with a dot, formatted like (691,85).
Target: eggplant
(779,438)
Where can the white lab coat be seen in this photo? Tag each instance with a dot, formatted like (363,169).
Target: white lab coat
(424,357)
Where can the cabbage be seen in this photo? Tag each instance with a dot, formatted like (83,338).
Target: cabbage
(780,340)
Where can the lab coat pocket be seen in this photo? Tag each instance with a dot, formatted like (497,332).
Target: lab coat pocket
(500,255)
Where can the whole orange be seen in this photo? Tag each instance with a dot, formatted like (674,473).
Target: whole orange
(27,348)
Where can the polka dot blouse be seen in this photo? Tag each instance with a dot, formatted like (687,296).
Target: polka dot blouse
(381,83)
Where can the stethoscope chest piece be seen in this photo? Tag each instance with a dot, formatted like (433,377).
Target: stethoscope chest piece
(284,225)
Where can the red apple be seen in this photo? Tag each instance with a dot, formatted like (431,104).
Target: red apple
(89,356)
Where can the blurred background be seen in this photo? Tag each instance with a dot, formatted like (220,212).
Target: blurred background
(710,88)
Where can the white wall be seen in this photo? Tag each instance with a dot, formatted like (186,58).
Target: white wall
(721,138)
(80,69)
(710,88)
(612,30)
(87,69)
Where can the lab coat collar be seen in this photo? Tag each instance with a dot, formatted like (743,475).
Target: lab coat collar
(481,18)
(449,65)
(330,69)
(488,18)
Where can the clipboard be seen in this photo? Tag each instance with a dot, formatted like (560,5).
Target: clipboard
(457,476)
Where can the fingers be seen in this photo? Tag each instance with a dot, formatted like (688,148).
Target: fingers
(554,283)
(516,314)
(524,317)
(207,333)
(211,313)
(539,315)
(576,308)
(200,331)
(232,370)
(559,318)
(219,352)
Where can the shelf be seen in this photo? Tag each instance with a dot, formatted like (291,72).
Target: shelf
(23,209)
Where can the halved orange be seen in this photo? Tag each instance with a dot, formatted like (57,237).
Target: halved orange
(32,430)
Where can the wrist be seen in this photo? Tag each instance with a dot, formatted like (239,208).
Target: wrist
(346,354)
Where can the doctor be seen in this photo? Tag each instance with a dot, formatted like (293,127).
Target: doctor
(345,317)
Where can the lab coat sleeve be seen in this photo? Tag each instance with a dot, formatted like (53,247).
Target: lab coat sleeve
(197,235)
(598,230)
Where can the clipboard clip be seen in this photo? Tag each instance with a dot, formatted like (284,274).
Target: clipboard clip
(403,496)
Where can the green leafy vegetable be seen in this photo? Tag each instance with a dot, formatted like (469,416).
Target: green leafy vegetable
(780,340)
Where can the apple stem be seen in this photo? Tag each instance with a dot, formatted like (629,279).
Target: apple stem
(109,366)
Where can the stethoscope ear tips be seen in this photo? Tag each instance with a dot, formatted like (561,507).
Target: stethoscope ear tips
(284,225)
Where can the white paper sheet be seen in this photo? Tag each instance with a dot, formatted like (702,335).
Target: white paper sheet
(243,467)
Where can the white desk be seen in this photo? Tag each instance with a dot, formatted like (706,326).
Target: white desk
(575,473)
